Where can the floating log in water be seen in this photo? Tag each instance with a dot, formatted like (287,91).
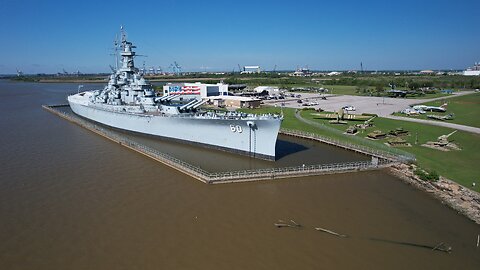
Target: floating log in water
(285,224)
(280,225)
(294,223)
(439,247)
(442,247)
(330,232)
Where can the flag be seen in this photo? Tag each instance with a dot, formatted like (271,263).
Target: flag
(185,90)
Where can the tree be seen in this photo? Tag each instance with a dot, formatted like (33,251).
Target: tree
(379,88)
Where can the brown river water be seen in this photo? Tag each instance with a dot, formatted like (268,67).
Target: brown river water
(70,199)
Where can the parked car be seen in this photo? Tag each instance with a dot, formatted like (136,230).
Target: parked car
(349,108)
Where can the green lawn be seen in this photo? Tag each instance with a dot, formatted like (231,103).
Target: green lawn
(465,108)
(342,90)
(459,166)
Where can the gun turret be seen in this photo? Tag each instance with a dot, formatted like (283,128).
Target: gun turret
(443,140)
(445,137)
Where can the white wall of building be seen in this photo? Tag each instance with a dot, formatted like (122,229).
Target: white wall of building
(471,73)
(270,89)
(197,89)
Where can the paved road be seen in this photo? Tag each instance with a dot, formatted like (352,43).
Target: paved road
(377,105)
(436,123)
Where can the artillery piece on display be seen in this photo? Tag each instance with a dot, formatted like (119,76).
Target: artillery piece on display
(443,140)
(366,124)
(441,118)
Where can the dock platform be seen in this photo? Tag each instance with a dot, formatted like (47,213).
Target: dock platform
(378,160)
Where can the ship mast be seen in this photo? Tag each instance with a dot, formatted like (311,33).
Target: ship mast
(115,44)
(127,54)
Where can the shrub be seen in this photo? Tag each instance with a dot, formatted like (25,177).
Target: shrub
(427,176)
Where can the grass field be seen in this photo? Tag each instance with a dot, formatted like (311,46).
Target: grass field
(459,166)
(465,108)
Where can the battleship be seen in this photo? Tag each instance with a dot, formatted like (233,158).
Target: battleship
(129,102)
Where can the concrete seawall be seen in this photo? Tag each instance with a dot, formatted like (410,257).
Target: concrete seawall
(379,159)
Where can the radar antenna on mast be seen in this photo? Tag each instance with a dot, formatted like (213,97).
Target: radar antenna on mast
(115,49)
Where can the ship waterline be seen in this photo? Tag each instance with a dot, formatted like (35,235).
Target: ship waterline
(256,138)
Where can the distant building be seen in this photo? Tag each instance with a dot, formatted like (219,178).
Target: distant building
(472,71)
(301,72)
(235,101)
(427,72)
(250,69)
(271,90)
(197,89)
(334,73)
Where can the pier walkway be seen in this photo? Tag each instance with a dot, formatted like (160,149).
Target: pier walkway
(379,159)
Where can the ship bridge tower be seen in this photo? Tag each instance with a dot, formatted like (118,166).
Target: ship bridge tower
(127,55)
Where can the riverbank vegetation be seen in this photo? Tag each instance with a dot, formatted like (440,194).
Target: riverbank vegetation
(367,83)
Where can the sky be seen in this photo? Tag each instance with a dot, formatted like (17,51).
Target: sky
(49,36)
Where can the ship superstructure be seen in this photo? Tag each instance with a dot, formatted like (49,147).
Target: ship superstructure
(130,102)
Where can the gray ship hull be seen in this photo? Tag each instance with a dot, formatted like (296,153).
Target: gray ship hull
(234,135)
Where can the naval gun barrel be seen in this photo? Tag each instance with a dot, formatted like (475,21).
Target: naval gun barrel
(189,106)
(186,106)
(170,97)
(160,98)
(163,98)
(198,104)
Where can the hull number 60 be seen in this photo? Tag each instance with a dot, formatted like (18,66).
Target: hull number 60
(236,128)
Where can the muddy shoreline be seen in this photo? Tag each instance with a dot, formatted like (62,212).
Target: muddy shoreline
(459,198)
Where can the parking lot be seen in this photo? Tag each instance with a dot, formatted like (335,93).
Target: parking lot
(377,105)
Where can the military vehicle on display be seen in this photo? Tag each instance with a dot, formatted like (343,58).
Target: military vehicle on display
(441,117)
(376,134)
(398,132)
(443,140)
